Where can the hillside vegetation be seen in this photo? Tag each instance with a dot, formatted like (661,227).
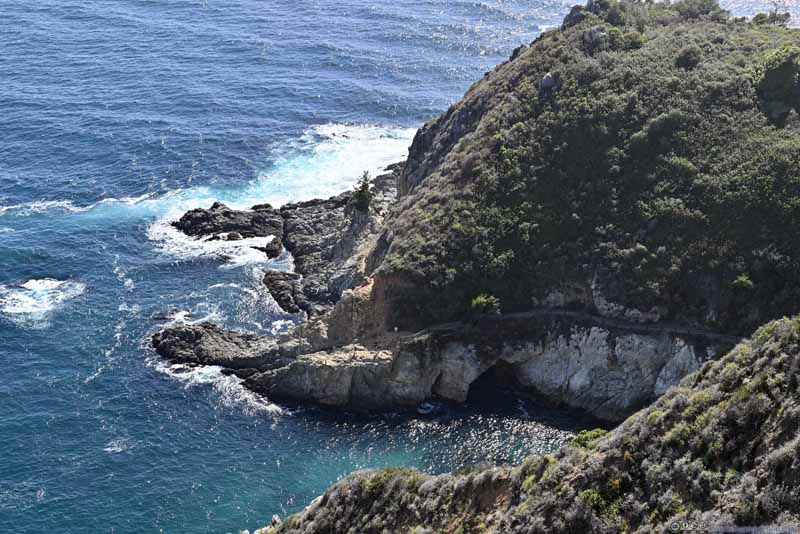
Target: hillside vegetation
(642,157)
(722,449)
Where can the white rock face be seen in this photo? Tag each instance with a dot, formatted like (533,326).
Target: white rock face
(460,367)
(590,368)
(682,363)
(608,376)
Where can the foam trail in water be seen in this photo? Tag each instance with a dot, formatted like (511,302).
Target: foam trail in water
(66,206)
(30,304)
(229,388)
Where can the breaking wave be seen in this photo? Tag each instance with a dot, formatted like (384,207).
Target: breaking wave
(31,303)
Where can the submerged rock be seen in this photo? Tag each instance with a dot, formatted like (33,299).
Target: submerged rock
(273,249)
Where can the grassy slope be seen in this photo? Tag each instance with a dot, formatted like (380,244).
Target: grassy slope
(721,449)
(664,169)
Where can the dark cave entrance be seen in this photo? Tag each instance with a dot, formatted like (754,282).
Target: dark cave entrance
(498,384)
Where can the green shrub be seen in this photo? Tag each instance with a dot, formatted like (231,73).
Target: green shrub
(376,483)
(485,304)
(678,435)
(774,18)
(689,58)
(634,40)
(587,439)
(594,499)
(743,282)
(778,84)
(694,9)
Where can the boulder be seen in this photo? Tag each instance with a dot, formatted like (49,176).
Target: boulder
(273,249)
(575,16)
(208,344)
(287,290)
(221,220)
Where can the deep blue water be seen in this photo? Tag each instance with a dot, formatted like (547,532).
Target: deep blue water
(117,116)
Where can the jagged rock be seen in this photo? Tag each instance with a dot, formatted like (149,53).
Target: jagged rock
(208,344)
(517,51)
(548,82)
(325,238)
(220,219)
(273,249)
(576,15)
(328,240)
(286,288)
(596,39)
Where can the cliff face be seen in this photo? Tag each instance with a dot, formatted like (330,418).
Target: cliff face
(608,369)
(642,159)
(605,370)
(720,449)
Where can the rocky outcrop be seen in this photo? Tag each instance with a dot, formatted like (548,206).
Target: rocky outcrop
(328,240)
(221,222)
(287,290)
(351,377)
(606,369)
(718,450)
(208,344)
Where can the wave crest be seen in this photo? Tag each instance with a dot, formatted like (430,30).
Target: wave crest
(30,304)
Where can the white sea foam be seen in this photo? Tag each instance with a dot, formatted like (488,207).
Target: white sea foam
(329,159)
(325,161)
(30,304)
(67,206)
(118,445)
(41,206)
(172,241)
(230,390)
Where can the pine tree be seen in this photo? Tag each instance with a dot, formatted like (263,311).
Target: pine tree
(363,193)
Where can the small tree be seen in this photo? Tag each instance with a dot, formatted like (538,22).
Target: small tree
(363,193)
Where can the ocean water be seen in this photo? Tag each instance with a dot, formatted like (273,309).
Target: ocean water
(116,116)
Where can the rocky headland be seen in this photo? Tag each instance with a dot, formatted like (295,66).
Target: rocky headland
(597,222)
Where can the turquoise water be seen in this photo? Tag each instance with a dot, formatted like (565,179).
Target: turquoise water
(115,118)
